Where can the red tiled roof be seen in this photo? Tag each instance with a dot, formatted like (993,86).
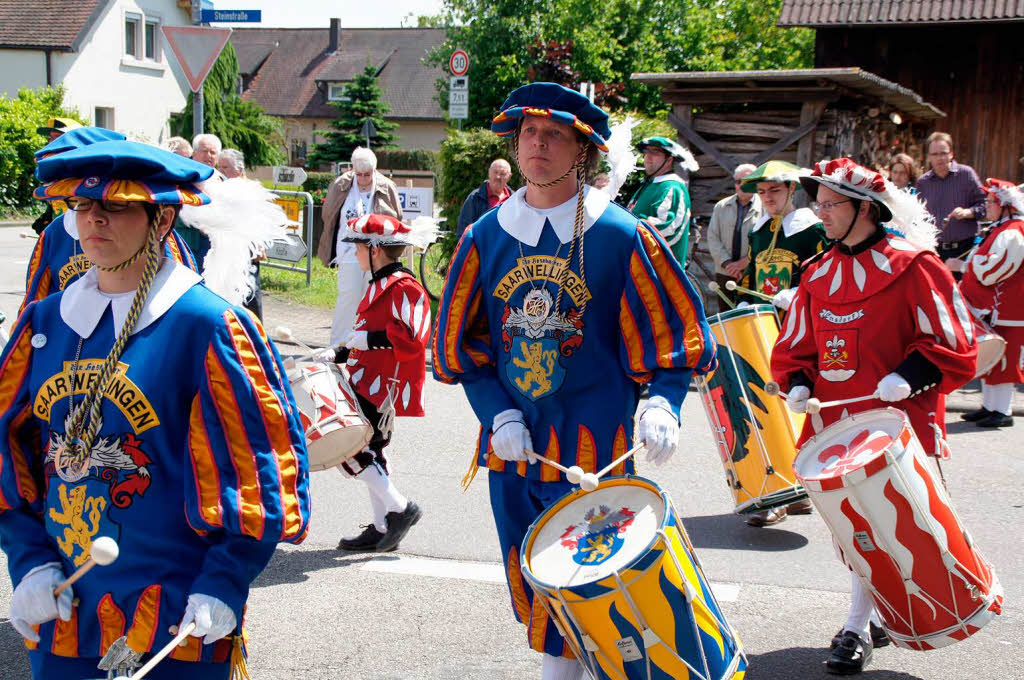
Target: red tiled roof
(880,12)
(46,24)
(284,65)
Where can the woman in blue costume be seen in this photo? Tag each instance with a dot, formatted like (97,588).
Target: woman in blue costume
(139,406)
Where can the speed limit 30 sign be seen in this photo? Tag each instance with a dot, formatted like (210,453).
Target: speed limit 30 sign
(458,63)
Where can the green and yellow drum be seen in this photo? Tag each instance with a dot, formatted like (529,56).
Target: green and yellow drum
(755,433)
(619,576)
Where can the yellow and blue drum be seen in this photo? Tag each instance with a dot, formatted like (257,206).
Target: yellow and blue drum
(620,578)
(755,433)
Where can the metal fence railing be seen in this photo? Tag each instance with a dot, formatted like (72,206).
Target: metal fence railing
(294,249)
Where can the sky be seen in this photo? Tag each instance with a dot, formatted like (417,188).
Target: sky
(317,13)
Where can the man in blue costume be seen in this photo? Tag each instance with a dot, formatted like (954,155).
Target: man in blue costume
(139,406)
(558,306)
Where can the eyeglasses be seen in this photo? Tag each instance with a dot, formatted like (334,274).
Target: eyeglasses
(79,204)
(827,206)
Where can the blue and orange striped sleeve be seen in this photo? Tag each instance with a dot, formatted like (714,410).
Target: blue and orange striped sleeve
(664,335)
(21,449)
(176,249)
(247,456)
(38,277)
(461,349)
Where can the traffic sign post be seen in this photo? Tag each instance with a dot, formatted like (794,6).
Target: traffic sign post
(196,48)
(458,94)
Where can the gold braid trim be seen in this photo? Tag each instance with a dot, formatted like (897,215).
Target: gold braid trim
(80,443)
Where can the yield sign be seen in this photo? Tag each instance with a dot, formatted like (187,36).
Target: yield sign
(196,48)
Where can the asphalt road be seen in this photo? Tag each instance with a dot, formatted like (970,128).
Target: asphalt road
(438,609)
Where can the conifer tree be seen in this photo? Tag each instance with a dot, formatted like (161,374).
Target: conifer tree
(362,101)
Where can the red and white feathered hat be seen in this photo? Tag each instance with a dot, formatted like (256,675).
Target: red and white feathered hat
(1007,193)
(383,230)
(901,211)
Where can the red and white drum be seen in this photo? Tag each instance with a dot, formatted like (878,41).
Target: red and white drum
(335,426)
(991,347)
(897,530)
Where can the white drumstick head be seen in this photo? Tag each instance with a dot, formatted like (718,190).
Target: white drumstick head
(104,550)
(713,286)
(731,285)
(772,388)
(283,333)
(589,481)
(574,474)
(813,405)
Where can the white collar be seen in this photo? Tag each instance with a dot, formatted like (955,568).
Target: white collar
(82,304)
(793,223)
(664,178)
(70,223)
(524,223)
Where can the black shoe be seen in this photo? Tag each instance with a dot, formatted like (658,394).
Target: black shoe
(975,416)
(879,638)
(850,656)
(399,524)
(364,542)
(995,419)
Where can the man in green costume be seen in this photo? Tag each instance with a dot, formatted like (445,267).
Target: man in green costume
(784,237)
(780,241)
(663,200)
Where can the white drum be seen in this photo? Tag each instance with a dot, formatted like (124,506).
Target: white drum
(335,426)
(991,347)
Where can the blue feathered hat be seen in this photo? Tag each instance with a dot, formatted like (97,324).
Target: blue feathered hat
(551,100)
(123,171)
(76,139)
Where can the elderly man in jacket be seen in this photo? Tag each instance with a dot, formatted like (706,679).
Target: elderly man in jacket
(360,191)
(729,232)
(490,194)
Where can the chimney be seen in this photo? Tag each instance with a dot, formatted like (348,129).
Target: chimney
(335,36)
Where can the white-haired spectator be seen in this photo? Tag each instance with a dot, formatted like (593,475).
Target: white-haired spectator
(180,146)
(728,232)
(206,149)
(360,191)
(232,163)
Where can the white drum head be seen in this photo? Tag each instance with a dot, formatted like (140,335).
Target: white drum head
(849,444)
(596,535)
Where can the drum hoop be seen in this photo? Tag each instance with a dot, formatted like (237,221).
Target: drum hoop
(558,505)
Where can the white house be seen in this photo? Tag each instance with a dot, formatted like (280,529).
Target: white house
(109,55)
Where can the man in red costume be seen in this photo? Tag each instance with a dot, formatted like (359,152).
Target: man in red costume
(993,284)
(878,314)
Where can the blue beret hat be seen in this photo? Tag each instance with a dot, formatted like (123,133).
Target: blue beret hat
(559,103)
(124,171)
(76,139)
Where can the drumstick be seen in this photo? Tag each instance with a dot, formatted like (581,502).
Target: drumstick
(284,334)
(773,389)
(26,234)
(843,402)
(621,459)
(159,656)
(732,285)
(103,551)
(715,288)
(587,480)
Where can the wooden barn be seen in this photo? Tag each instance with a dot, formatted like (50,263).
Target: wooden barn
(966,57)
(731,117)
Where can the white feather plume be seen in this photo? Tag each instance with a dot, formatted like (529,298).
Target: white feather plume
(621,155)
(688,162)
(910,217)
(241,220)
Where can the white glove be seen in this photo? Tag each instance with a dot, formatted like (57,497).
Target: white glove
(893,387)
(33,602)
(797,398)
(743,305)
(784,298)
(510,439)
(357,340)
(325,356)
(214,619)
(659,430)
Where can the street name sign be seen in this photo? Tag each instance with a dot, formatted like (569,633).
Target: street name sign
(211,16)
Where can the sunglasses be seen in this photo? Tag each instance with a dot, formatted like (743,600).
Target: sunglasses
(79,204)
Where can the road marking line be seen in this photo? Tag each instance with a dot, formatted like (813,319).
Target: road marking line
(409,565)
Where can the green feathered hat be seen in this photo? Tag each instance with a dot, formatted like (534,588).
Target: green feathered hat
(673,149)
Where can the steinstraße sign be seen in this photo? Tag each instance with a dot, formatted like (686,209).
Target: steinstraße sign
(212,16)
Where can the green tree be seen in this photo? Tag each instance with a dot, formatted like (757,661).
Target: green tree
(612,40)
(240,124)
(19,141)
(362,102)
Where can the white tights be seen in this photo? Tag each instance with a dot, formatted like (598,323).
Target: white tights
(862,610)
(560,668)
(997,397)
